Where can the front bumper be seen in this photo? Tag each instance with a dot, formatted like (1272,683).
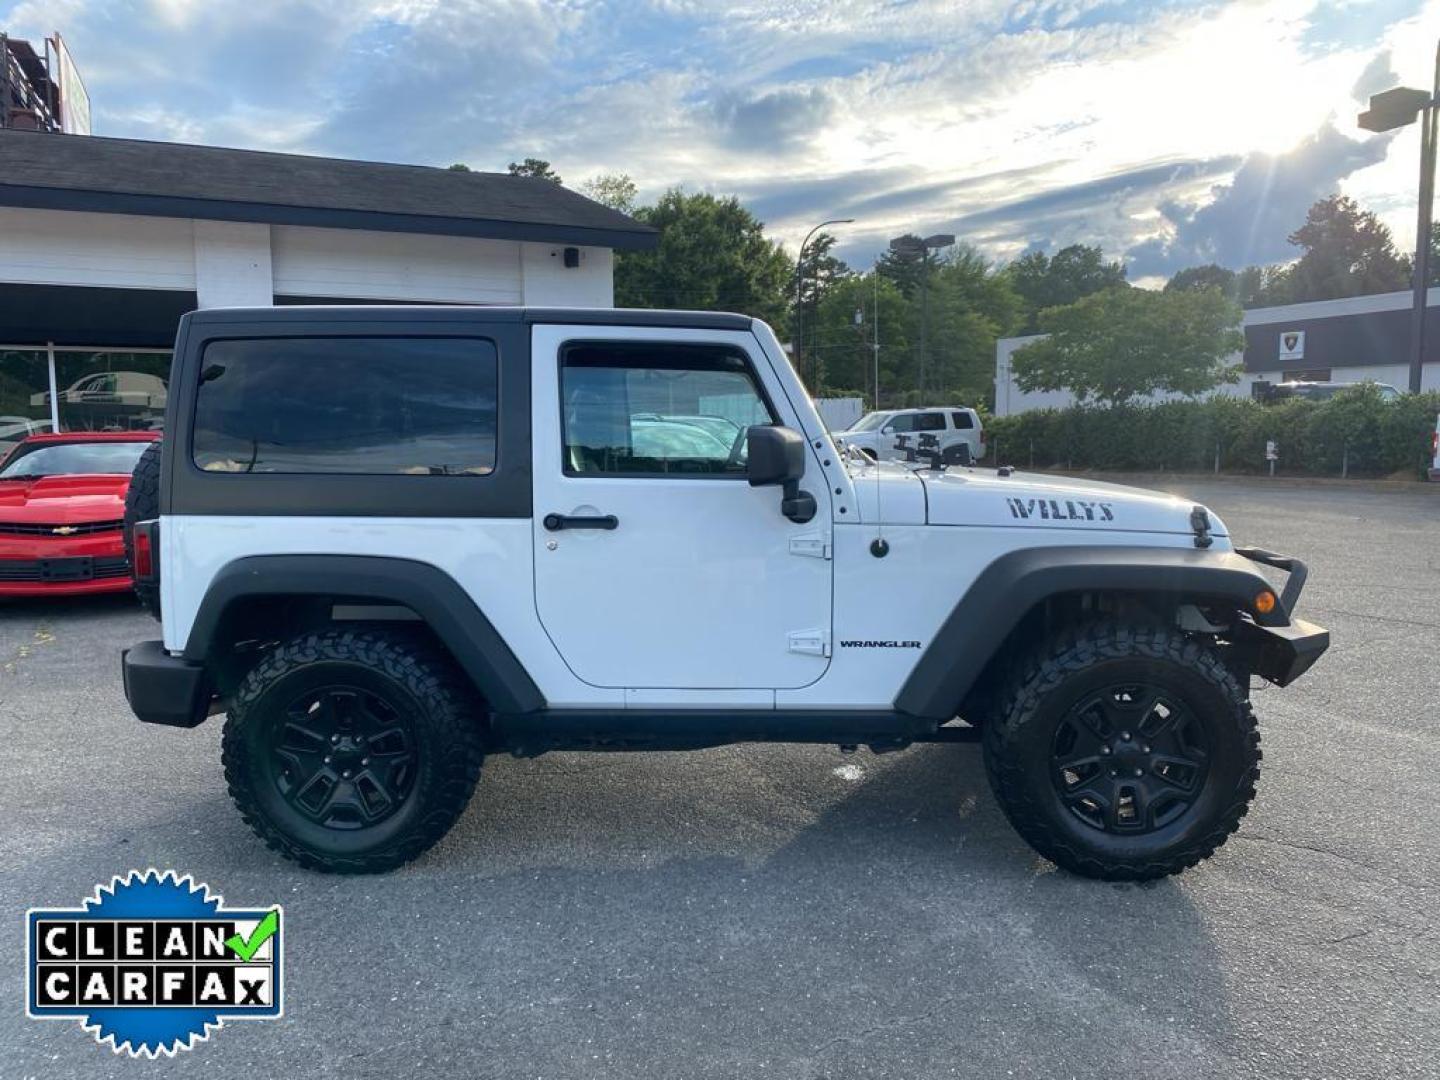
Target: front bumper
(1282,653)
(63,565)
(164,689)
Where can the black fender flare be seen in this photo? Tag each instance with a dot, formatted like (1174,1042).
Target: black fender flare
(427,590)
(1014,583)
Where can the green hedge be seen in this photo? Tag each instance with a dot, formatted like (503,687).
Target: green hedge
(1380,438)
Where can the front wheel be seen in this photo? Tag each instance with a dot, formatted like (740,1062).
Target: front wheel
(1124,752)
(352,751)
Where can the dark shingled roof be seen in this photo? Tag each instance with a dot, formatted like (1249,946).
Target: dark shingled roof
(129,176)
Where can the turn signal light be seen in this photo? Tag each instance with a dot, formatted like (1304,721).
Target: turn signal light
(1265,602)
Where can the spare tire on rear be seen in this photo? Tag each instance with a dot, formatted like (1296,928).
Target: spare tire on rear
(142,503)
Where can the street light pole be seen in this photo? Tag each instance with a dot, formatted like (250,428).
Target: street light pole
(924,316)
(800,281)
(1388,111)
(1424,215)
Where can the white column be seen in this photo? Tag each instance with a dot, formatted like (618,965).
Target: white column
(54,389)
(232,264)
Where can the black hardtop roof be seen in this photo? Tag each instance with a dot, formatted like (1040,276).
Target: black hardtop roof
(380,314)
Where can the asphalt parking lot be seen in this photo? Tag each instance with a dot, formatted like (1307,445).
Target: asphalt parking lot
(786,911)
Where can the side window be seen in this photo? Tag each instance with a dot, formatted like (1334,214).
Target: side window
(902,423)
(647,409)
(376,406)
(930,421)
(963,422)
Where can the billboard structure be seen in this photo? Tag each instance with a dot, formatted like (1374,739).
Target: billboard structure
(74,99)
(41,89)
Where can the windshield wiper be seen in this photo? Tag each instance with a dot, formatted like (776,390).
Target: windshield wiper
(25,476)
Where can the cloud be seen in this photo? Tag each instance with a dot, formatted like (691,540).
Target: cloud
(779,120)
(1015,123)
(1378,75)
(1248,220)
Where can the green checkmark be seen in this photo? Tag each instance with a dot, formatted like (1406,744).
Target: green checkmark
(244,948)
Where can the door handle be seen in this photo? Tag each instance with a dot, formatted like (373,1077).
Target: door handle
(556,522)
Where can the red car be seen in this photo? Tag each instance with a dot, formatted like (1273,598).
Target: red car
(62,499)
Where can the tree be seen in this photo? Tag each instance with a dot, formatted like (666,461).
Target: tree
(459,166)
(1347,252)
(1073,272)
(1124,343)
(712,254)
(817,274)
(615,190)
(1262,286)
(846,346)
(536,167)
(1204,277)
(820,270)
(905,265)
(971,305)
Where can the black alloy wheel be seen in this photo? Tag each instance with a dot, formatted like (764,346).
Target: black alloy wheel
(1130,759)
(344,757)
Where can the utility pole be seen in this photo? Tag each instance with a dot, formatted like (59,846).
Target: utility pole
(875,274)
(924,317)
(912,245)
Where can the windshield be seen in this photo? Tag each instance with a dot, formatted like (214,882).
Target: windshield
(870,421)
(67,459)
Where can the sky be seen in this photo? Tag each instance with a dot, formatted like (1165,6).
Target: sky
(1172,133)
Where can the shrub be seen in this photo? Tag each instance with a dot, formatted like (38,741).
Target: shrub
(1314,437)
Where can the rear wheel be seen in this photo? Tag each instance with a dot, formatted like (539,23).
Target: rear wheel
(352,751)
(142,503)
(1124,752)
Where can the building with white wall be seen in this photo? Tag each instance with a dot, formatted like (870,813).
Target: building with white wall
(1355,339)
(104,243)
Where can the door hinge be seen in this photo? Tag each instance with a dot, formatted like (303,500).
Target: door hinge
(813,546)
(810,642)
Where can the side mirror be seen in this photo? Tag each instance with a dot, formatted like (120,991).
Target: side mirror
(777,456)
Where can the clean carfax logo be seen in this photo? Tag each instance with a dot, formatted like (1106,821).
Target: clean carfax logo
(153,962)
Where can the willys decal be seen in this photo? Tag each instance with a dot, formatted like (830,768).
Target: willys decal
(1060,509)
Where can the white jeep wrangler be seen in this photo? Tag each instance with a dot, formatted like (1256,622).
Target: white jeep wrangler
(387,542)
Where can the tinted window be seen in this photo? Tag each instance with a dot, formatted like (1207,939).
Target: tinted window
(411,406)
(963,422)
(930,421)
(632,408)
(903,422)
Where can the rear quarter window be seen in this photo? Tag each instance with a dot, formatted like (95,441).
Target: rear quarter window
(347,405)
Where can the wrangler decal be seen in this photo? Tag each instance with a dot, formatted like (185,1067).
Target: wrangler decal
(1060,510)
(879,644)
